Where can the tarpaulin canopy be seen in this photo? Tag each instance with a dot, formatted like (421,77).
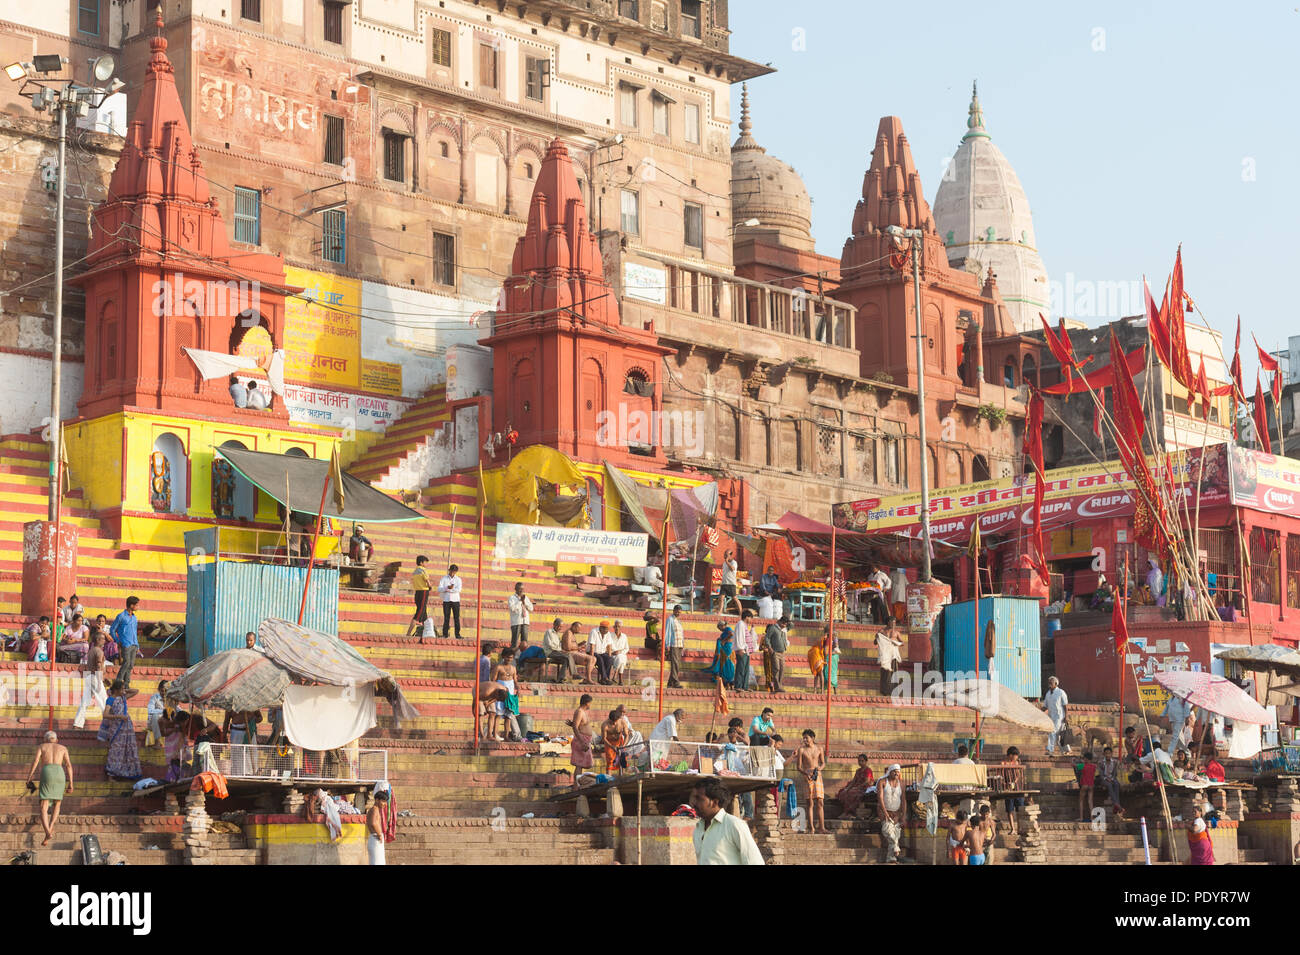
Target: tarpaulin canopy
(526,501)
(691,507)
(237,680)
(894,550)
(296,483)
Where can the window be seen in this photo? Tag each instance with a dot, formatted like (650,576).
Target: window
(444,259)
(693,219)
(627,105)
(333,22)
(528,170)
(536,73)
(440,46)
(334,140)
(629,220)
(487,65)
(628,9)
(251,10)
(691,18)
(334,236)
(88,16)
(394,156)
(248,215)
(692,123)
(659,110)
(444,150)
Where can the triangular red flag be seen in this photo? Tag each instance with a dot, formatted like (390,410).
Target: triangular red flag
(1159,324)
(1266,361)
(1118,622)
(1203,388)
(1180,362)
(1261,419)
(1277,393)
(1235,369)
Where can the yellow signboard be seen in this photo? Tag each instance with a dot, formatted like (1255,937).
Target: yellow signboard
(382,377)
(322,329)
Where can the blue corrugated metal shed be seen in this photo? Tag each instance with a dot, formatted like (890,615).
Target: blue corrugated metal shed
(1018,658)
(227,598)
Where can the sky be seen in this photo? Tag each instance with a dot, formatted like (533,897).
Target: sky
(1133,128)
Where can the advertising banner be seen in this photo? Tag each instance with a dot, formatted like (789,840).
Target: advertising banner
(1084,492)
(572,544)
(338,409)
(384,377)
(1265,482)
(322,337)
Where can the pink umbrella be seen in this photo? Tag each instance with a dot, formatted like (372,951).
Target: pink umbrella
(1214,693)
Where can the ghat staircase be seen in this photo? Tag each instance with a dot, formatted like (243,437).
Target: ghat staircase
(434,770)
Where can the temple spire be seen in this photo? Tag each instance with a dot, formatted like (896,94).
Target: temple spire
(975,120)
(746,140)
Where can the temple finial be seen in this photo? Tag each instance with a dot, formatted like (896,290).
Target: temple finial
(975,119)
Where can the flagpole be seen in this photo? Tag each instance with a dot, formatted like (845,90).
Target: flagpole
(478,610)
(1121,652)
(979,649)
(311,557)
(663,610)
(830,638)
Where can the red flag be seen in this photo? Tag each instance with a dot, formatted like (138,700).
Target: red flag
(1130,426)
(1203,388)
(1277,393)
(1180,363)
(1118,622)
(1235,369)
(1158,323)
(1266,361)
(1062,349)
(1103,377)
(1261,419)
(1129,421)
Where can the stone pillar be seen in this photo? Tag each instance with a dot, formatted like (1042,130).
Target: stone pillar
(1030,841)
(767,829)
(41,583)
(293,802)
(510,179)
(464,158)
(583,808)
(198,849)
(614,803)
(171,804)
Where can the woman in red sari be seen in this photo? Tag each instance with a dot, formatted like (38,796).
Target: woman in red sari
(1199,845)
(850,796)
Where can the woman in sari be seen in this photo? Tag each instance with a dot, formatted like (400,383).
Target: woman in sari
(123,758)
(723,666)
(817,665)
(1199,845)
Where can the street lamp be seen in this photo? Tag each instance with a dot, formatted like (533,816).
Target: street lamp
(916,249)
(60,96)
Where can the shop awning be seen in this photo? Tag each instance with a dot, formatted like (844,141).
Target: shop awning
(854,547)
(296,483)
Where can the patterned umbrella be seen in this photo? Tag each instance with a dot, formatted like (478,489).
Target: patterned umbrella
(1214,693)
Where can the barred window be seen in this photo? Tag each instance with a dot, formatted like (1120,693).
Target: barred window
(333,22)
(334,140)
(444,259)
(251,10)
(394,156)
(88,16)
(248,215)
(334,236)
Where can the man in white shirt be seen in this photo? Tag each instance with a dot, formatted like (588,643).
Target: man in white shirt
(653,576)
(728,586)
(746,645)
(880,602)
(1055,701)
(668,727)
(898,593)
(720,838)
(889,655)
(553,647)
(73,608)
(520,608)
(258,398)
(449,590)
(675,646)
(598,644)
(618,647)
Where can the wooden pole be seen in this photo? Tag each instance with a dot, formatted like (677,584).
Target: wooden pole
(1122,652)
(450,531)
(1155,772)
(979,645)
(311,556)
(663,626)
(54,629)
(639,784)
(478,623)
(830,643)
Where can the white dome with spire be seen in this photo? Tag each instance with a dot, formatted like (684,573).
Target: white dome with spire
(983,217)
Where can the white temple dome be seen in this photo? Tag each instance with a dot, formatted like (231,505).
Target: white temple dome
(767,189)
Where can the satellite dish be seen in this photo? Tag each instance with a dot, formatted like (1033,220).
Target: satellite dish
(103,67)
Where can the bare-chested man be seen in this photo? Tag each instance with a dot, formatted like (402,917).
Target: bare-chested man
(810,761)
(376,820)
(958,848)
(580,749)
(611,734)
(976,837)
(55,767)
(576,650)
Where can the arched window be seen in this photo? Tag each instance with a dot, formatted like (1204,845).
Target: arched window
(168,474)
(232,494)
(1029,370)
(297,452)
(979,469)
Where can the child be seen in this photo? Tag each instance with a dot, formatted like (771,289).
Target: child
(958,847)
(988,824)
(153,736)
(974,842)
(1087,779)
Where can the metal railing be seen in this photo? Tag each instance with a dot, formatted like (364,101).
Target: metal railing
(728,759)
(290,763)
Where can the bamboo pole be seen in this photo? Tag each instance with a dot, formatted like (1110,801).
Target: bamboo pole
(830,643)
(311,555)
(478,623)
(663,625)
(1155,772)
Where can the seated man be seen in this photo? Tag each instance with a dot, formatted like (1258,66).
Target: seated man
(528,657)
(259,399)
(852,793)
(360,550)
